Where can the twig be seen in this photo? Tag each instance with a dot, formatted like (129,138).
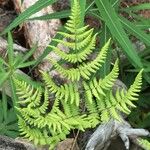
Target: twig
(3,46)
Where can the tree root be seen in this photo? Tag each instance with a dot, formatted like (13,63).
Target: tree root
(3,47)
(103,135)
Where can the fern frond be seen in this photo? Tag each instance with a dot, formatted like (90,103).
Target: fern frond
(75,45)
(42,109)
(84,70)
(77,95)
(144,143)
(79,36)
(44,126)
(35,99)
(93,119)
(76,57)
(135,88)
(51,85)
(33,134)
(74,22)
(67,109)
(87,69)
(25,91)
(23,87)
(77,31)
(109,80)
(125,98)
(88,93)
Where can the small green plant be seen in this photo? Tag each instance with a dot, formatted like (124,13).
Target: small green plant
(8,118)
(9,68)
(43,125)
(11,65)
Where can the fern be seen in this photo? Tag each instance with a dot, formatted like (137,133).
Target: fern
(43,125)
(81,42)
(144,143)
(54,123)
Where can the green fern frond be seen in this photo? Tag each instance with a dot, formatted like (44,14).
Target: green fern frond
(74,22)
(144,143)
(42,109)
(88,93)
(135,88)
(53,88)
(67,109)
(75,45)
(25,91)
(33,134)
(93,119)
(35,99)
(81,43)
(85,69)
(47,121)
(109,80)
(125,98)
(80,36)
(76,57)
(55,121)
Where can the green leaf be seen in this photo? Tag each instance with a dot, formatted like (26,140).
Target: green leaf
(104,37)
(28,12)
(138,7)
(10,49)
(1,112)
(115,3)
(89,6)
(2,61)
(112,21)
(144,25)
(11,117)
(55,15)
(82,7)
(3,77)
(29,53)
(135,31)
(4,103)
(27,64)
(13,92)
(12,134)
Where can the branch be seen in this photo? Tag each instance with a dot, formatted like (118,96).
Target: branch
(3,46)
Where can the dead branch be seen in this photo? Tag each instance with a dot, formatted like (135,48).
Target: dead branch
(3,47)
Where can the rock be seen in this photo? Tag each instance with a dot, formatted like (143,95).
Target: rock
(67,144)
(7,143)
